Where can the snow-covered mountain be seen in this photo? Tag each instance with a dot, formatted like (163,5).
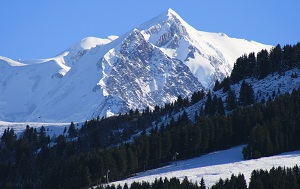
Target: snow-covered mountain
(147,66)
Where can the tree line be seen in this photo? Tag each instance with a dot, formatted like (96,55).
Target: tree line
(279,59)
(275,178)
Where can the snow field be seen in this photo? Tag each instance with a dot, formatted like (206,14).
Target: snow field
(51,128)
(216,165)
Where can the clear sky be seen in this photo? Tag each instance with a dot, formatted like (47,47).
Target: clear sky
(33,29)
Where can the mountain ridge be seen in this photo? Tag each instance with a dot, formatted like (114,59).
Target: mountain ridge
(166,57)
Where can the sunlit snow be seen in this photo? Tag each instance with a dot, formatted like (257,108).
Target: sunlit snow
(216,165)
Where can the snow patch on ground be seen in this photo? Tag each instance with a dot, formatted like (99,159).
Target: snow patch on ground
(216,165)
(51,128)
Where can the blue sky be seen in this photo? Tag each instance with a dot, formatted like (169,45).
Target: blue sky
(40,29)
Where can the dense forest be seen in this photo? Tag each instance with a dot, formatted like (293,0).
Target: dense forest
(264,63)
(81,158)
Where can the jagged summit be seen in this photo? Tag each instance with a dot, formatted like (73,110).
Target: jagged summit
(171,12)
(147,66)
(168,16)
(209,56)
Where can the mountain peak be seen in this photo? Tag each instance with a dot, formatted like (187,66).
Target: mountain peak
(171,12)
(168,16)
(171,16)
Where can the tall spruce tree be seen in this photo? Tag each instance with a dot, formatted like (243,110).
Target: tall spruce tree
(72,130)
(246,94)
(231,100)
(263,65)
(276,59)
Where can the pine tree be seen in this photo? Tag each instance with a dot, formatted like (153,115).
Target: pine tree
(226,85)
(217,85)
(238,70)
(85,177)
(251,63)
(208,104)
(136,112)
(287,57)
(296,55)
(43,140)
(197,96)
(241,182)
(202,184)
(220,107)
(263,64)
(276,59)
(125,186)
(246,94)
(61,145)
(9,138)
(72,130)
(179,101)
(231,100)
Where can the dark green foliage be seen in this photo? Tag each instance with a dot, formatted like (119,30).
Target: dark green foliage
(217,85)
(72,131)
(244,67)
(287,57)
(160,183)
(251,65)
(285,178)
(202,184)
(277,129)
(278,60)
(235,182)
(8,138)
(263,65)
(197,96)
(225,85)
(294,75)
(231,100)
(43,139)
(220,107)
(213,106)
(209,106)
(239,69)
(246,94)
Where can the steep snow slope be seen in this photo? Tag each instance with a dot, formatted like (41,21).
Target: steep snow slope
(76,51)
(22,86)
(76,96)
(151,65)
(214,166)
